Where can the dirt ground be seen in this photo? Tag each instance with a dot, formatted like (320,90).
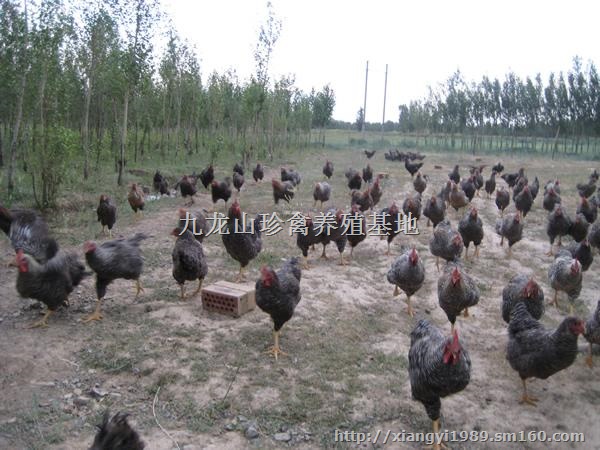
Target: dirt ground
(205,377)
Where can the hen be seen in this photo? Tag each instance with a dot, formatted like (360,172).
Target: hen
(391,217)
(438,366)
(195,222)
(136,200)
(468,187)
(107,213)
(582,252)
(445,243)
(536,352)
(220,191)
(559,225)
(419,183)
(407,273)
(564,274)
(321,192)
(160,183)
(189,263)
(115,433)
(243,243)
(49,282)
(511,229)
(412,206)
(502,199)
(457,292)
(238,181)
(498,168)
(523,288)
(411,167)
(258,173)
(454,175)
(370,153)
(187,187)
(305,240)
(237,168)
(457,198)
(278,294)
(112,260)
(586,189)
(490,184)
(376,191)
(290,175)
(535,187)
(334,232)
(356,232)
(588,209)
(282,190)
(551,198)
(328,169)
(364,200)
(207,176)
(523,201)
(367,174)
(592,332)
(579,228)
(435,210)
(470,228)
(355,181)
(27,231)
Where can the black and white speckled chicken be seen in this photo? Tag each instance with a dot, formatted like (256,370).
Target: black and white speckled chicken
(558,225)
(588,209)
(592,332)
(27,230)
(579,228)
(457,292)
(565,274)
(242,240)
(435,210)
(582,252)
(511,229)
(445,243)
(523,288)
(502,199)
(407,273)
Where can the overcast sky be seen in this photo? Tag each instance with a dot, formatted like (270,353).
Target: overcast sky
(423,42)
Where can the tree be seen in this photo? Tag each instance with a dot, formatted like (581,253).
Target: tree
(360,119)
(323,103)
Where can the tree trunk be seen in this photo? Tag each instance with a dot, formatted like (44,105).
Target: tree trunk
(85,130)
(121,161)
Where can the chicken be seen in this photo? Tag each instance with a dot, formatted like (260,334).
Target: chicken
(519,186)
(278,294)
(536,352)
(328,169)
(238,168)
(419,183)
(305,240)
(391,217)
(438,366)
(445,192)
(187,187)
(115,433)
(558,224)
(411,167)
(258,173)
(586,189)
(490,184)
(355,181)
(523,288)
(107,213)
(376,191)
(407,273)
(468,187)
(511,178)
(457,198)
(367,174)
(242,243)
(334,233)
(523,201)
(207,176)
(565,274)
(435,210)
(370,153)
(511,229)
(457,292)
(582,252)
(592,333)
(356,232)
(579,228)
(498,168)
(552,184)
(220,191)
(551,199)
(445,243)
(594,175)
(290,175)
(282,190)
(477,180)
(238,181)
(136,199)
(112,260)
(189,263)
(26,230)
(363,200)
(534,187)
(412,206)
(454,175)
(588,209)
(502,199)
(51,281)
(594,235)
(195,222)
(321,192)
(160,183)
(470,228)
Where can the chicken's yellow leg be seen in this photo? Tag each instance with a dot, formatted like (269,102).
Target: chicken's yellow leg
(182,293)
(409,309)
(466,312)
(138,288)
(526,397)
(43,322)
(276,350)
(96,315)
(588,360)
(342,262)
(437,444)
(305,264)
(199,287)
(396,291)
(323,255)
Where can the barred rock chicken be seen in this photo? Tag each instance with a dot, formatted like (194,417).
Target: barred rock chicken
(445,243)
(328,169)
(586,189)
(412,167)
(524,200)
(438,366)
(220,191)
(592,333)
(551,199)
(407,273)
(579,228)
(502,199)
(490,184)
(136,200)
(564,274)
(278,294)
(412,206)
(51,281)
(470,228)
(419,183)
(435,210)
(115,433)
(160,183)
(376,191)
(334,232)
(238,181)
(552,184)
(195,222)
(588,209)
(468,187)
(258,173)
(457,292)
(27,231)
(594,235)
(582,252)
(189,263)
(355,181)
(282,190)
(498,168)
(107,213)
(454,175)
(238,168)
(370,153)
(364,200)
(558,226)
(367,174)
(511,229)
(207,176)
(290,175)
(112,260)
(457,198)
(305,240)
(357,231)
(523,288)
(536,352)
(321,192)
(242,244)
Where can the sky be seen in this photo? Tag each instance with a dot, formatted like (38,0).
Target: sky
(422,42)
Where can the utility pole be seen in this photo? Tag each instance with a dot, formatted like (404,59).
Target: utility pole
(362,127)
(384,97)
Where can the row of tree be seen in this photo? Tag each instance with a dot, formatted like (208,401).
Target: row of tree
(569,105)
(83,82)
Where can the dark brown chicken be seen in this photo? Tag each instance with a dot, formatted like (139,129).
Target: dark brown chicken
(457,292)
(391,218)
(307,239)
(238,168)
(468,187)
(112,260)
(187,187)
(407,273)
(136,200)
(107,213)
(511,229)
(536,352)
(454,175)
(523,288)
(282,190)
(470,228)
(367,174)
(419,183)
(328,169)
(242,243)
(189,262)
(579,228)
(333,231)
(290,175)
(220,191)
(355,181)
(490,184)
(238,181)
(457,198)
(502,199)
(160,183)
(445,243)
(376,191)
(412,206)
(586,189)
(278,294)
(321,192)
(207,176)
(551,199)
(258,173)
(524,200)
(115,433)
(411,167)
(582,252)
(370,153)
(558,225)
(363,200)
(357,229)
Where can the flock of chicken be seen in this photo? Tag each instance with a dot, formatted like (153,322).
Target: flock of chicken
(439,365)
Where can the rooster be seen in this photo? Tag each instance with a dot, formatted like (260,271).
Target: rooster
(470,228)
(49,282)
(511,229)
(522,288)
(258,173)
(119,258)
(411,167)
(220,191)
(27,231)
(282,190)
(278,294)
(321,192)
(207,176)
(408,274)
(564,274)
(457,292)
(328,169)
(592,332)
(445,243)
(536,352)
(135,197)
(107,213)
(438,366)
(189,263)
(115,433)
(242,244)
